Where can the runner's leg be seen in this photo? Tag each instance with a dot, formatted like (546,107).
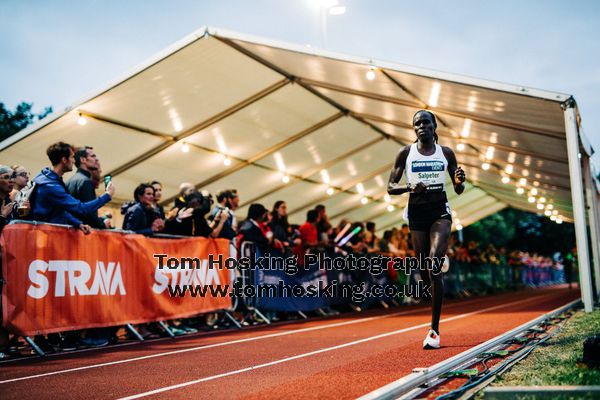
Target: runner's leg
(438,238)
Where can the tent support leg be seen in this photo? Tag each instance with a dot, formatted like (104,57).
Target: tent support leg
(592,207)
(583,255)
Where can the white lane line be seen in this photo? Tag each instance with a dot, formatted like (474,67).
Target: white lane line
(312,353)
(209,346)
(237,341)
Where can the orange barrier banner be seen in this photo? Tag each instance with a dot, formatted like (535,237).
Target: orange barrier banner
(58,279)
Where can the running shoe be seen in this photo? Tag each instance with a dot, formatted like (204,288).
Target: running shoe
(432,340)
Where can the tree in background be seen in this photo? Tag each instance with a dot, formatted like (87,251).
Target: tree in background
(522,230)
(12,122)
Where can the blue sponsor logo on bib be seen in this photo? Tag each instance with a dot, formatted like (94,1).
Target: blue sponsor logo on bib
(427,166)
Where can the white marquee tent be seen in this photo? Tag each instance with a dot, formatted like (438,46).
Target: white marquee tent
(287,122)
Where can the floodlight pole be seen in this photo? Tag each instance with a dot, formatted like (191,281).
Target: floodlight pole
(583,255)
(592,203)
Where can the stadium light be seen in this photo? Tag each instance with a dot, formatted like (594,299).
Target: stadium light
(337,10)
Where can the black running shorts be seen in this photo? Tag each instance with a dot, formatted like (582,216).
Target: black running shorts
(422,216)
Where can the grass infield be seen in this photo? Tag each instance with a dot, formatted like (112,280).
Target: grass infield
(557,362)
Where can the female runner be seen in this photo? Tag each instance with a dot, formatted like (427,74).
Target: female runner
(429,215)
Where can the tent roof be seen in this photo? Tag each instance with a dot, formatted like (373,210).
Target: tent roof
(275,109)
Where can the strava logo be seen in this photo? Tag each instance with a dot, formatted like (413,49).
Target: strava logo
(74,278)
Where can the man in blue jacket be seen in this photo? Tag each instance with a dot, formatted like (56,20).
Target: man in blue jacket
(52,202)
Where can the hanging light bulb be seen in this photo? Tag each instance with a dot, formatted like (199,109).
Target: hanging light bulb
(542,199)
(531,199)
(485,166)
(505,179)
(547,213)
(540,206)
(387,198)
(227,161)
(329,191)
(555,212)
(559,219)
(371,73)
(520,190)
(533,192)
(185,147)
(459,227)
(390,208)
(460,146)
(550,206)
(364,200)
(553,218)
(81,120)
(285,179)
(523,181)
(509,169)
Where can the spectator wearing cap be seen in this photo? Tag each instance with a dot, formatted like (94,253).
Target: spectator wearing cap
(7,210)
(53,203)
(225,200)
(184,189)
(81,185)
(141,217)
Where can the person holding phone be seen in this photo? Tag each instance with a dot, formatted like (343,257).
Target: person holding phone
(425,163)
(53,203)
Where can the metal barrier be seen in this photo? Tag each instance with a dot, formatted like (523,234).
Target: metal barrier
(463,278)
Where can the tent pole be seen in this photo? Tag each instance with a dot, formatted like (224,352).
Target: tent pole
(583,257)
(592,202)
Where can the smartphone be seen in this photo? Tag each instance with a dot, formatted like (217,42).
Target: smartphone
(107,180)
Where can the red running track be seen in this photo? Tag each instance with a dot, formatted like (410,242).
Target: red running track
(342,357)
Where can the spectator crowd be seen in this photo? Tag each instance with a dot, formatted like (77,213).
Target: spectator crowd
(48,198)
